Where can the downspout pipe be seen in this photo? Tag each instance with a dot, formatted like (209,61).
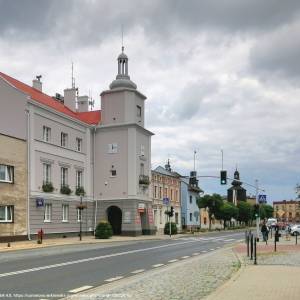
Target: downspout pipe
(94,158)
(27,111)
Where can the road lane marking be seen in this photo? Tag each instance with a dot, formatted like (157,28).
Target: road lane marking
(212,249)
(184,257)
(68,263)
(229,240)
(203,251)
(138,271)
(172,260)
(114,278)
(158,265)
(81,289)
(196,253)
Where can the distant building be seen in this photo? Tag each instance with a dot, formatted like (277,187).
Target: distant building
(190,191)
(236,193)
(287,211)
(165,184)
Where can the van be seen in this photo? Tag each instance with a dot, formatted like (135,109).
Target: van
(271,222)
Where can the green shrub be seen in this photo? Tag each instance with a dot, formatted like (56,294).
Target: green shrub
(47,187)
(103,230)
(173,228)
(80,191)
(65,190)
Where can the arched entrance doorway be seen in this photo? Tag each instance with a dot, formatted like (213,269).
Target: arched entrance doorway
(114,216)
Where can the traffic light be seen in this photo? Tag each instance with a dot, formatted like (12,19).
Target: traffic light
(223,176)
(172,211)
(256,210)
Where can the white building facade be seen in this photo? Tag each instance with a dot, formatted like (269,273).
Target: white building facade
(98,158)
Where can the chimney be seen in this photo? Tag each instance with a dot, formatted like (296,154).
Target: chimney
(37,84)
(82,103)
(70,98)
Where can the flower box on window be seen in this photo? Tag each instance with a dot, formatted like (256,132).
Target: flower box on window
(65,189)
(144,180)
(47,187)
(80,191)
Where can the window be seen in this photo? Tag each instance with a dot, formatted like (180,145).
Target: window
(64,176)
(46,134)
(113,173)
(138,111)
(113,148)
(48,213)
(64,139)
(6,214)
(79,177)
(166,192)
(65,212)
(46,173)
(142,150)
(176,195)
(79,144)
(6,173)
(160,190)
(155,191)
(142,169)
(171,197)
(191,199)
(79,215)
(176,218)
(191,217)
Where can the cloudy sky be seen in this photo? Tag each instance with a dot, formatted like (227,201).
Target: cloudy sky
(217,74)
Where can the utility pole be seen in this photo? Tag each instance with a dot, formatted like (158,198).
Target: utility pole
(256,201)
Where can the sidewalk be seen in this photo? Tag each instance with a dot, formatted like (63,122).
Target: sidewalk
(276,276)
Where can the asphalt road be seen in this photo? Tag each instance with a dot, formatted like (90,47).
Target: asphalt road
(60,271)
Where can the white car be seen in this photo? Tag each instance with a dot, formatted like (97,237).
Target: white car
(295,230)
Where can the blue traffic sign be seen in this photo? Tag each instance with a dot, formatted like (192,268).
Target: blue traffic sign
(166,201)
(262,198)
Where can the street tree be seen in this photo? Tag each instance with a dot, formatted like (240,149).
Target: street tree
(226,212)
(212,202)
(268,209)
(245,212)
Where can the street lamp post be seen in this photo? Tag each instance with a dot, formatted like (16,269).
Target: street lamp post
(80,209)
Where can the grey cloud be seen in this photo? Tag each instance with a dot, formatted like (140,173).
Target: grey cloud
(87,21)
(277,54)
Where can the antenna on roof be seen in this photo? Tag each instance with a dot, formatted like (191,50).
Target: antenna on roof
(91,101)
(73,78)
(122,38)
(38,77)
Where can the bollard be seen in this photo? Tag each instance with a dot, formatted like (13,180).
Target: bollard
(296,238)
(248,244)
(255,244)
(271,231)
(251,246)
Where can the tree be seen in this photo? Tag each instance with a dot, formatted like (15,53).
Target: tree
(268,210)
(227,212)
(245,212)
(212,202)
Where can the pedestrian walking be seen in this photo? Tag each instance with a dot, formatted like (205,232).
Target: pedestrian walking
(264,232)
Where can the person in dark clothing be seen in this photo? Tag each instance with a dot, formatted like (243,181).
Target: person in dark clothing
(264,232)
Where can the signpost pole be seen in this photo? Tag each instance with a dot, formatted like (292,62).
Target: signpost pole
(170,227)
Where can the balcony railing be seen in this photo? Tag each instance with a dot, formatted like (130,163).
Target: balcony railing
(144,180)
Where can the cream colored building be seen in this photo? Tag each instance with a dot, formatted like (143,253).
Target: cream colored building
(165,184)
(287,211)
(13,188)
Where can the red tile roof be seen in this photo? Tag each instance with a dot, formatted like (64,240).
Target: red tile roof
(91,117)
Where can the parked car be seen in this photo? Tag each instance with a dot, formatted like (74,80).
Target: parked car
(295,230)
(271,222)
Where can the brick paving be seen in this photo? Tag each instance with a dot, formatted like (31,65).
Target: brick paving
(189,279)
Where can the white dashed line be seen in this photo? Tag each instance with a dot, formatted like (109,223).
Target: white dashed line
(138,271)
(197,253)
(80,289)
(173,260)
(203,251)
(114,279)
(184,257)
(212,249)
(158,265)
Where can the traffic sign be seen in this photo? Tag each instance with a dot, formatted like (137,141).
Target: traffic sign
(262,199)
(166,201)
